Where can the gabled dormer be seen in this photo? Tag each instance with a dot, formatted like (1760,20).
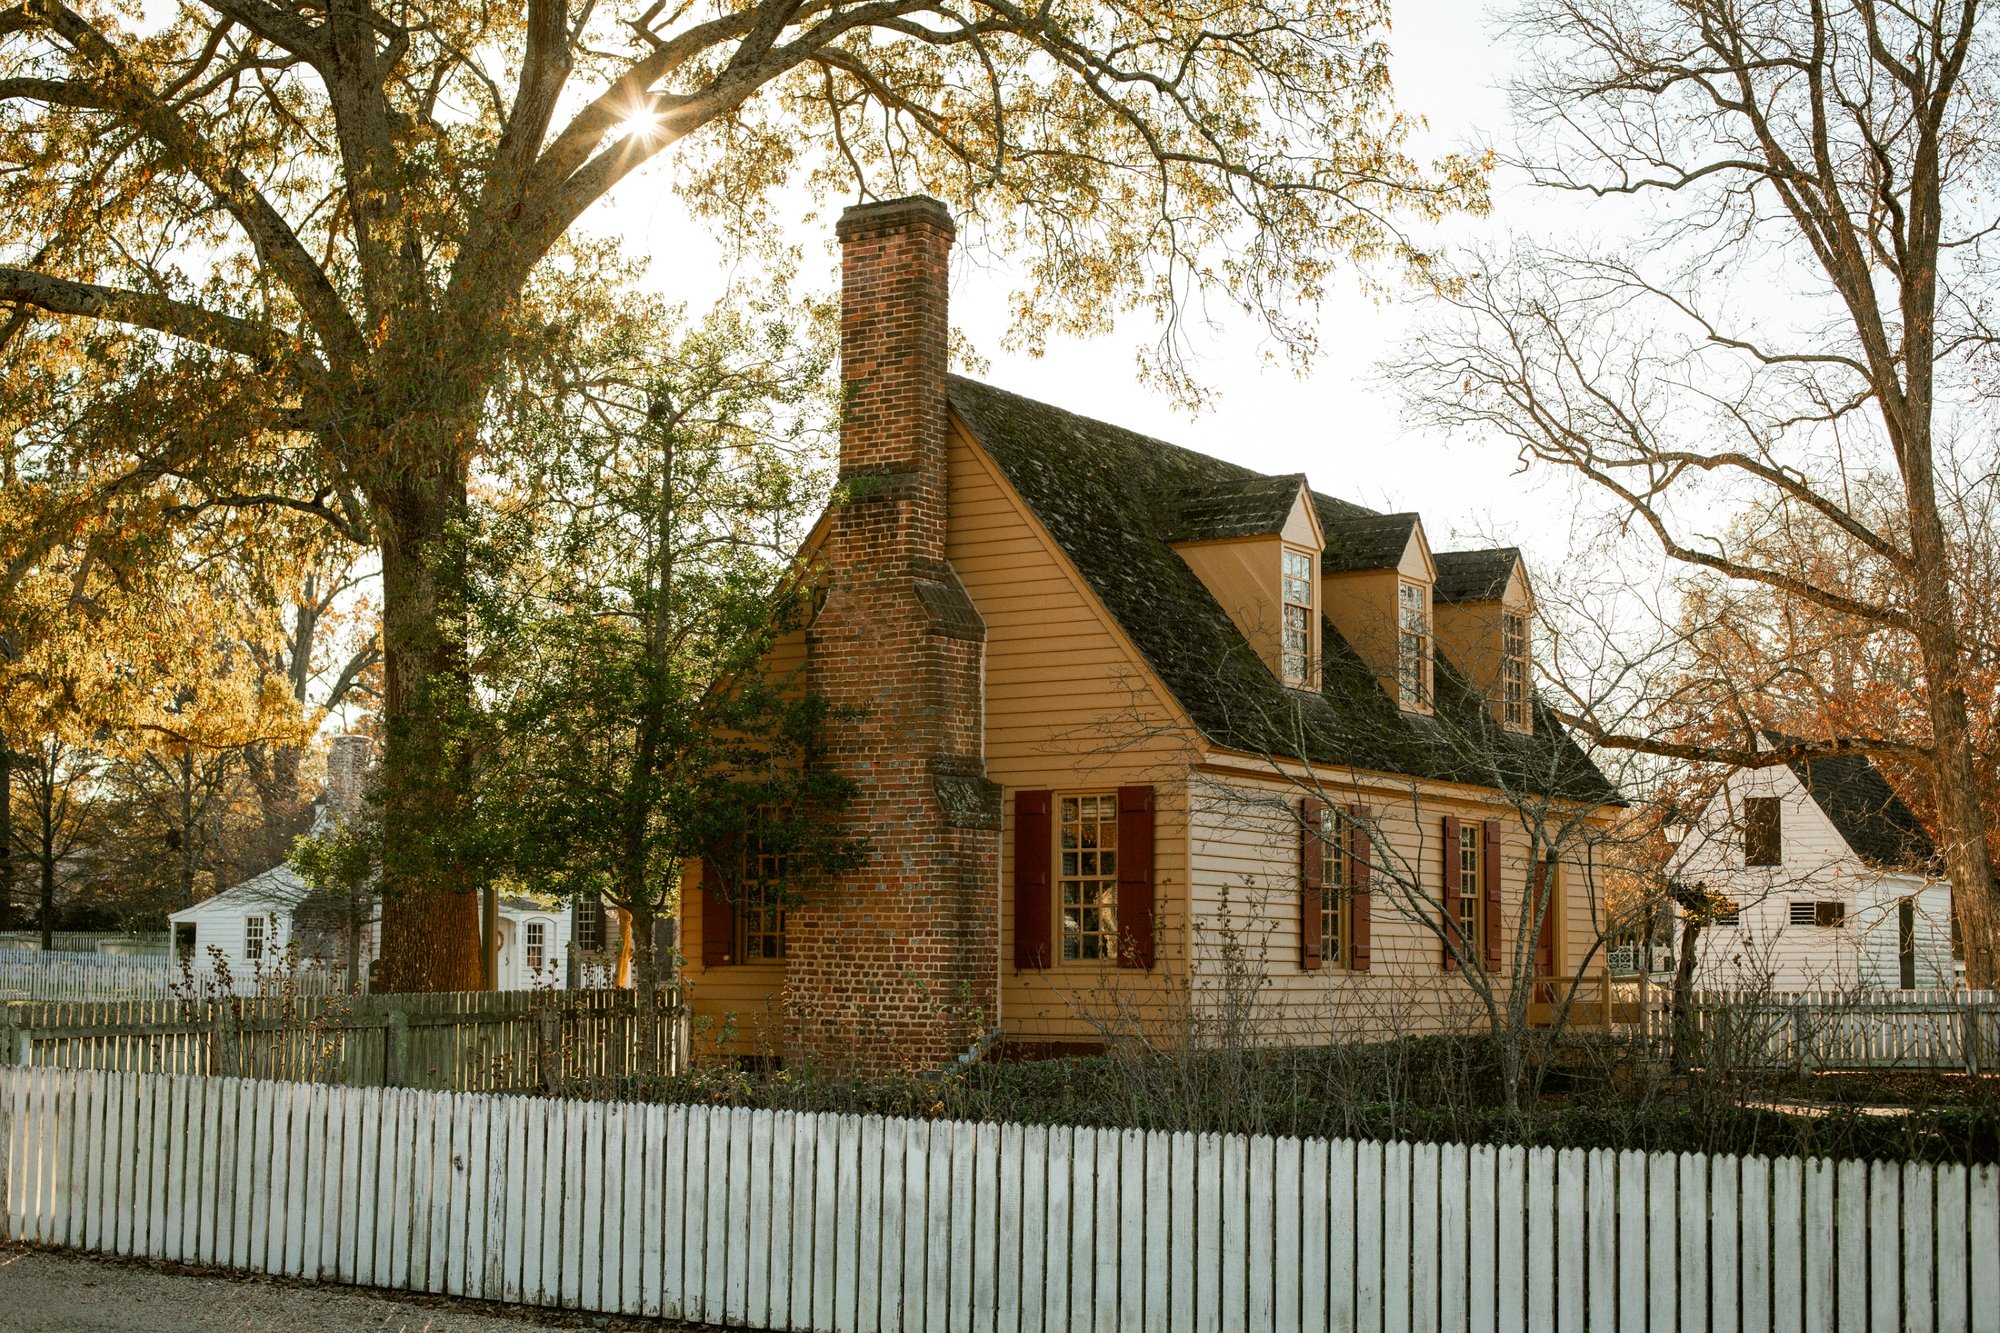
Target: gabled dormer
(1485,614)
(1376,580)
(1255,544)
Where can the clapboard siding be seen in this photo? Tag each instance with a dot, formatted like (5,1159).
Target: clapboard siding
(1069,705)
(843,1223)
(1247,905)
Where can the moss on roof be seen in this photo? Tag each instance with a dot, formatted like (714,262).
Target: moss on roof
(1250,506)
(1111,497)
(1474,576)
(1366,541)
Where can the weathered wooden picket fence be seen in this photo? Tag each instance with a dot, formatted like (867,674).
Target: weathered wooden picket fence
(829,1222)
(1832,1030)
(494,1041)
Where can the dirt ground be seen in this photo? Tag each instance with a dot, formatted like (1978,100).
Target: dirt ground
(50,1292)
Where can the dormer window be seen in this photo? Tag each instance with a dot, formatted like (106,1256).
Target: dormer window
(1298,610)
(1514,670)
(1413,646)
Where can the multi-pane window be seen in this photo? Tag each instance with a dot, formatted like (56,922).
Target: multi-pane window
(1413,646)
(1470,864)
(256,932)
(1087,838)
(1763,832)
(1334,885)
(760,908)
(1514,670)
(1298,617)
(589,924)
(535,937)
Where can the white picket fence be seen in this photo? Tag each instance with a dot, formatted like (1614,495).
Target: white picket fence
(828,1222)
(31,975)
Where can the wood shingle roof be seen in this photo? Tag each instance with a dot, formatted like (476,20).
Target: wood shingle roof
(1114,500)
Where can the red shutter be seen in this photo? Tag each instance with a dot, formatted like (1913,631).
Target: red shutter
(1548,881)
(1358,921)
(1489,888)
(1312,880)
(718,924)
(1031,879)
(1135,877)
(1450,894)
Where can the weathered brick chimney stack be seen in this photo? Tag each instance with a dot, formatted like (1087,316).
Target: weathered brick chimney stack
(896,964)
(348,760)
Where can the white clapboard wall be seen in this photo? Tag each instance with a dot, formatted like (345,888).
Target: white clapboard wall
(828,1222)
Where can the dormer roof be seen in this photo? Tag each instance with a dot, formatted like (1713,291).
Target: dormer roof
(1233,508)
(1114,499)
(1475,576)
(1363,541)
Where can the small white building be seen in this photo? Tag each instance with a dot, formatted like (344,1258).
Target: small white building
(261,924)
(1835,884)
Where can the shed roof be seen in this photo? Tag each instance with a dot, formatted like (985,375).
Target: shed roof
(1112,499)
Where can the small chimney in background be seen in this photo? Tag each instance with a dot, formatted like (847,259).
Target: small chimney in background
(349,760)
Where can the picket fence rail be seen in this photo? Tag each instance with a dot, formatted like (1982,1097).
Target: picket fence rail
(848,1223)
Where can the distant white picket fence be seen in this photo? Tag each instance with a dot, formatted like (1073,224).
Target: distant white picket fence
(837,1223)
(31,975)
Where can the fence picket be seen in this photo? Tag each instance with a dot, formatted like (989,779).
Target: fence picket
(840,1223)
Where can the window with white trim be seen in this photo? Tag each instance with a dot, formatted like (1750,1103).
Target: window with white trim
(256,936)
(1087,846)
(1470,896)
(535,940)
(1298,611)
(1334,884)
(1514,670)
(1413,645)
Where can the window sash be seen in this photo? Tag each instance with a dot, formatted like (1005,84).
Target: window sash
(1514,669)
(253,938)
(760,907)
(1336,882)
(1086,835)
(535,941)
(1471,860)
(1412,646)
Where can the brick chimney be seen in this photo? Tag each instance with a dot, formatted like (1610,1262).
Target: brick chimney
(897,964)
(348,760)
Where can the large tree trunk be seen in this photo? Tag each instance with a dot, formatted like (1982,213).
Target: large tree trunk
(6,835)
(48,868)
(430,912)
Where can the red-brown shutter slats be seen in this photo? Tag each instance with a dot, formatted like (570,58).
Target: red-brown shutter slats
(1489,889)
(718,923)
(1358,914)
(1135,877)
(1032,906)
(1450,890)
(1312,880)
(1545,934)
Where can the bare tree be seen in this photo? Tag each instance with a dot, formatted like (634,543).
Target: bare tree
(1809,304)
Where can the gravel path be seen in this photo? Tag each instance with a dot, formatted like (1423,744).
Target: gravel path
(44,1292)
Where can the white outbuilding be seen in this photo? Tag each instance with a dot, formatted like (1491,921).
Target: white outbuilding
(1830,879)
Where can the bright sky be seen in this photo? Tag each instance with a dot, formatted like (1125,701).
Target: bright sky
(1335,426)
